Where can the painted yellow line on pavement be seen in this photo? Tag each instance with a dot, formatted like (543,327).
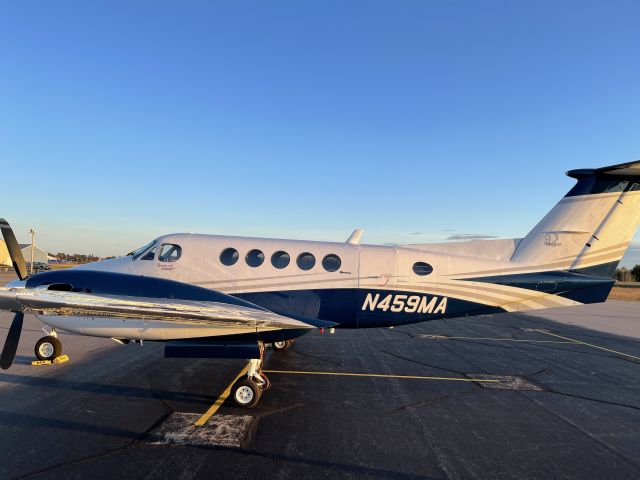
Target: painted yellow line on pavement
(443,337)
(221,399)
(382,375)
(590,345)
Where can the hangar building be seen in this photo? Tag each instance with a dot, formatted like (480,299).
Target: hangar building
(39,255)
(5,259)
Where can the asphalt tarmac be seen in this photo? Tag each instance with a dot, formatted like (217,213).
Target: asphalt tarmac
(574,412)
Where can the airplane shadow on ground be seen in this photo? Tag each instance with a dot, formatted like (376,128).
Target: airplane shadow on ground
(24,360)
(337,469)
(99,388)
(20,419)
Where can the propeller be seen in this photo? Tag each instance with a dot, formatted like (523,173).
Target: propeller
(11,343)
(14,249)
(13,337)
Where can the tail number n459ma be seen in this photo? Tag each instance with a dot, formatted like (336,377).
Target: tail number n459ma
(404,303)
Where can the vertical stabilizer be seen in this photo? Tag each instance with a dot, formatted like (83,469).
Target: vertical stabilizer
(591,226)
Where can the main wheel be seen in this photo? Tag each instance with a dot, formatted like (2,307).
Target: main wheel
(48,348)
(246,393)
(283,345)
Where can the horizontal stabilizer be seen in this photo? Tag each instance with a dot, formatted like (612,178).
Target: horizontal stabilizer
(624,170)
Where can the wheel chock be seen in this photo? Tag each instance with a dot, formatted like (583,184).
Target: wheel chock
(57,360)
(37,363)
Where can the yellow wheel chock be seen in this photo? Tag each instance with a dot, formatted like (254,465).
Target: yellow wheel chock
(57,360)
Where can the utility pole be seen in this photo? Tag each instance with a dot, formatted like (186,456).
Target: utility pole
(32,232)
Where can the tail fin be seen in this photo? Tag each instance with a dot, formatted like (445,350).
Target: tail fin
(591,227)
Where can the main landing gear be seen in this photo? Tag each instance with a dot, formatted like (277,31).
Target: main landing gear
(49,347)
(247,391)
(283,345)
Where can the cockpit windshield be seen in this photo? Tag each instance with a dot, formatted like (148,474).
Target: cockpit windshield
(136,253)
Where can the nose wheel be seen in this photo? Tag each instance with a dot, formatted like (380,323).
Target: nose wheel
(247,391)
(48,348)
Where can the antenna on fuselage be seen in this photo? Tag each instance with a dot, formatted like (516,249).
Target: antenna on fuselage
(354,238)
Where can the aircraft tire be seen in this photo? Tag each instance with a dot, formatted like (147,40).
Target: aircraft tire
(281,346)
(48,348)
(246,393)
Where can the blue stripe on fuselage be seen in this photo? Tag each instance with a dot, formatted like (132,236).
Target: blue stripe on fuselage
(345,306)
(584,285)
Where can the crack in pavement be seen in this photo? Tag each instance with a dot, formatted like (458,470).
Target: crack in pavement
(136,442)
(399,357)
(561,349)
(314,358)
(537,372)
(459,355)
(580,429)
(475,389)
(606,402)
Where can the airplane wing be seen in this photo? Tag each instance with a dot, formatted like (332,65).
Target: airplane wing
(47,302)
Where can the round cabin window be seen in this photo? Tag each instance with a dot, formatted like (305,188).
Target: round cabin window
(331,263)
(229,256)
(306,261)
(280,259)
(254,258)
(422,268)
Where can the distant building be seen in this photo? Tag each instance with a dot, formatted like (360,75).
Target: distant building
(623,275)
(39,255)
(85,258)
(76,258)
(5,259)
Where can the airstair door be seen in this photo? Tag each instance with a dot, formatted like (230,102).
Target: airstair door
(376,286)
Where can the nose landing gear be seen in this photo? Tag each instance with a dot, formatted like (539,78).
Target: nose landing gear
(49,347)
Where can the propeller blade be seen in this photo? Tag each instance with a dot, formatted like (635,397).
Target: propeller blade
(14,249)
(11,343)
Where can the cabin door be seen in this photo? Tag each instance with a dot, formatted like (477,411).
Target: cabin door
(376,286)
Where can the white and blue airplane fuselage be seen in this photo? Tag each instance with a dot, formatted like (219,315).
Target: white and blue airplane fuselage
(189,286)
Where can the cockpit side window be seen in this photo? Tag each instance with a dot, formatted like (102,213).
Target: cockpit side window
(170,252)
(136,253)
(150,255)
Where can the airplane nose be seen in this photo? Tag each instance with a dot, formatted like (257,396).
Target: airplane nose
(119,264)
(16,284)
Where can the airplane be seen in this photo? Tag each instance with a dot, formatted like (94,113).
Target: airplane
(214,296)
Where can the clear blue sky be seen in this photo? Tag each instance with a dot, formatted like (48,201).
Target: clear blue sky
(415,120)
